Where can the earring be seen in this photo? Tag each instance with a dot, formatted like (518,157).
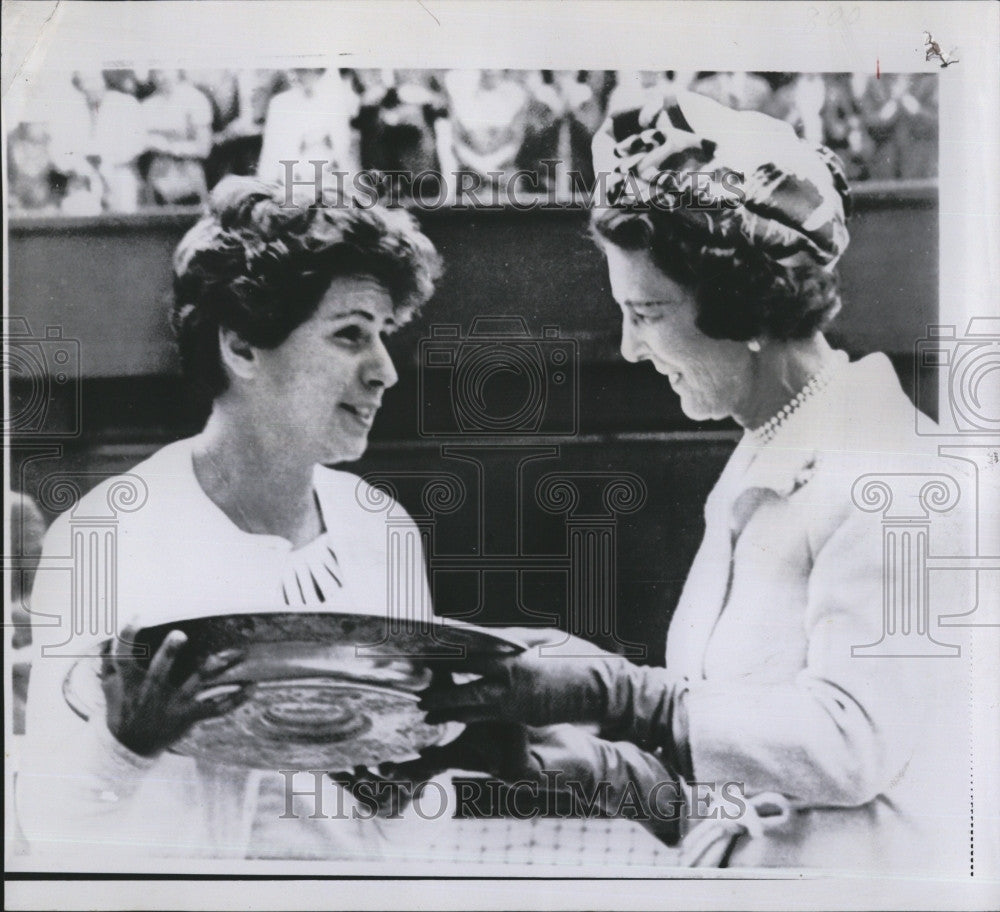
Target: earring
(754,345)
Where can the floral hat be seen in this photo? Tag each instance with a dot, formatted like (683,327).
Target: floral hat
(735,178)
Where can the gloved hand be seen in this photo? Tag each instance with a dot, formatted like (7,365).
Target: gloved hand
(598,774)
(534,688)
(542,686)
(531,688)
(625,780)
(146,711)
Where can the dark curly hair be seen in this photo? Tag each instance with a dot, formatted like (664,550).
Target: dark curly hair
(740,293)
(259,266)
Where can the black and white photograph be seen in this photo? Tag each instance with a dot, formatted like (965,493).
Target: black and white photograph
(501,455)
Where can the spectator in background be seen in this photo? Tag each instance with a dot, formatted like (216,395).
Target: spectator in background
(128,81)
(900,115)
(790,97)
(96,139)
(635,88)
(487,125)
(178,120)
(602,83)
(239,106)
(563,114)
(256,88)
(30,174)
(843,131)
(398,124)
(798,100)
(311,121)
(78,148)
(738,91)
(221,88)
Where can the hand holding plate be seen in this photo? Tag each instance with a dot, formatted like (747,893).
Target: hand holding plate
(146,711)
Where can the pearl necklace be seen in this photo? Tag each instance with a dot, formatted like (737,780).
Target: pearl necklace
(815,384)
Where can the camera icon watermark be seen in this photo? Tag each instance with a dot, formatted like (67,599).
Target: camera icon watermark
(581,566)
(498,380)
(971,390)
(39,369)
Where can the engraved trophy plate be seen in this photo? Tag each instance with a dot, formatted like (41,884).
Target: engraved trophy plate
(333,691)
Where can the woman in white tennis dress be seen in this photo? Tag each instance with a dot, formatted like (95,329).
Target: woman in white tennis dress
(280,315)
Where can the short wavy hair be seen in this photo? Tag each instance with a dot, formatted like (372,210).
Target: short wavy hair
(740,293)
(260,266)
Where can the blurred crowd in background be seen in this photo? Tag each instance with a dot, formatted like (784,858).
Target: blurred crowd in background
(124,140)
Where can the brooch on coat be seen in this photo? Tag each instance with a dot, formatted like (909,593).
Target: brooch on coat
(752,499)
(801,478)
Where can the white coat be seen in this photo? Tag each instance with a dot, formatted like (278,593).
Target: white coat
(788,579)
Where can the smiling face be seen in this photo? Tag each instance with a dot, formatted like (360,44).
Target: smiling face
(321,388)
(711,376)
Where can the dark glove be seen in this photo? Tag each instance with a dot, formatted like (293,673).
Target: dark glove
(146,710)
(531,688)
(547,684)
(628,701)
(617,777)
(614,779)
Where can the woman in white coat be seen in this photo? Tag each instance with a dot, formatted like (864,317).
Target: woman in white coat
(722,237)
